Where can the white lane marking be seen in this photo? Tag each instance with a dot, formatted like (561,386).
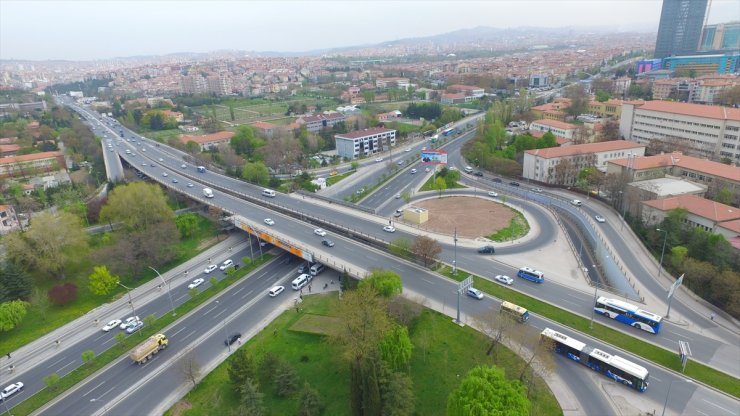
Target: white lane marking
(680,335)
(655,378)
(427,280)
(180,330)
(65,366)
(672,340)
(716,405)
(92,389)
(240,289)
(247,294)
(55,362)
(189,334)
(109,340)
(572,303)
(699,411)
(210,310)
(219,314)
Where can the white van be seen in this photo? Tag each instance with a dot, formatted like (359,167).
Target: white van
(268,192)
(301,281)
(316,269)
(468,169)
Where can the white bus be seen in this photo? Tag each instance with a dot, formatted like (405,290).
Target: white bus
(629,314)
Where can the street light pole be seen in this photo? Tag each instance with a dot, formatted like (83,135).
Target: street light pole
(130,300)
(596,288)
(172,304)
(454,262)
(668,393)
(665,237)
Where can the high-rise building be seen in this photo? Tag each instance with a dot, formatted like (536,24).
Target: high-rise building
(680,27)
(721,37)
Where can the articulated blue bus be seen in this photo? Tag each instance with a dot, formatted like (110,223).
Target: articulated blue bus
(628,314)
(612,366)
(531,274)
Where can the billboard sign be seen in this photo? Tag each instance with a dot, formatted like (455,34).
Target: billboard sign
(433,157)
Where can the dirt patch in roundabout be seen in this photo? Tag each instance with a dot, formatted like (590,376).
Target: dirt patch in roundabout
(473,217)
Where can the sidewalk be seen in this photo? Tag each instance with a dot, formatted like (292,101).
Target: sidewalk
(56,341)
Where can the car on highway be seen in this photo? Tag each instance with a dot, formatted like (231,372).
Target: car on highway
(112,324)
(190,184)
(493,194)
(400,163)
(174,180)
(160,159)
(474,293)
(327,242)
(413,171)
(232,338)
(599,218)
(536,189)
(134,327)
(514,183)
(379,159)
(408,149)
(389,229)
(276,290)
(184,166)
(427,170)
(195,283)
(164,174)
(319,231)
(210,268)
(226,264)
(486,250)
(11,390)
(269,221)
(128,321)
(398,196)
(497,180)
(478,173)
(504,279)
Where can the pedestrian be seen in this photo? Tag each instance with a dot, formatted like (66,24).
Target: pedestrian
(274,332)
(239,340)
(309,288)
(332,281)
(711,317)
(301,296)
(8,354)
(296,309)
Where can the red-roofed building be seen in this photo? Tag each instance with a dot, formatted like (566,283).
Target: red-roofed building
(31,164)
(561,165)
(316,123)
(9,149)
(178,116)
(267,129)
(558,128)
(706,131)
(707,214)
(208,141)
(476,92)
(356,144)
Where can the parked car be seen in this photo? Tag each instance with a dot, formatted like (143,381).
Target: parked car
(504,279)
(398,213)
(210,268)
(134,327)
(11,390)
(379,159)
(269,221)
(389,229)
(474,293)
(112,324)
(226,264)
(232,338)
(327,242)
(599,218)
(276,290)
(319,231)
(487,250)
(195,283)
(128,321)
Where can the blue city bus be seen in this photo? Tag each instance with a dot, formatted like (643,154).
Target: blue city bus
(449,132)
(616,368)
(628,314)
(531,274)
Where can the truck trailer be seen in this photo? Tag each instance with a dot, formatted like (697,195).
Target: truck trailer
(149,348)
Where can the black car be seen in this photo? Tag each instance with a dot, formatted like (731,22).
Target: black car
(497,180)
(232,338)
(478,173)
(327,243)
(486,250)
(514,183)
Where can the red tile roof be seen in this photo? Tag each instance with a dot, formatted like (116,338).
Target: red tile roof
(262,125)
(362,133)
(689,109)
(698,206)
(5,148)
(552,152)
(30,156)
(555,124)
(684,161)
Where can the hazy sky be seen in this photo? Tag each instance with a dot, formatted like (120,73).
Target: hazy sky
(84,30)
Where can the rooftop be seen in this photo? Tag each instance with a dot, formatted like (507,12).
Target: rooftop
(29,157)
(669,186)
(553,152)
(683,161)
(363,133)
(555,124)
(690,109)
(699,206)
(213,137)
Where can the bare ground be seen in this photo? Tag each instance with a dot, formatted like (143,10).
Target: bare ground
(180,407)
(473,217)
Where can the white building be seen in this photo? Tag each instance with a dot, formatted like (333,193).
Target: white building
(541,164)
(365,142)
(558,128)
(706,131)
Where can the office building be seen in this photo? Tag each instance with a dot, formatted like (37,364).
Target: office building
(680,27)
(721,37)
(703,64)
(356,144)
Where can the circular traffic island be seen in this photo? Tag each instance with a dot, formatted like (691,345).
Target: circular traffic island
(473,217)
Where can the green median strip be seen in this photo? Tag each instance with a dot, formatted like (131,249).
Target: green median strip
(79,374)
(669,359)
(331,180)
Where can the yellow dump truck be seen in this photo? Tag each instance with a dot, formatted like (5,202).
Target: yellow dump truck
(151,346)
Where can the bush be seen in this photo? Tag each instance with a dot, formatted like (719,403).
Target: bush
(61,295)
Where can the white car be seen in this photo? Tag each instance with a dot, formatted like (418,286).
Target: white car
(164,174)
(269,221)
(504,279)
(128,321)
(210,268)
(493,194)
(599,218)
(161,160)
(474,293)
(134,327)
(112,324)
(319,231)
(276,291)
(226,264)
(413,171)
(190,184)
(11,390)
(389,229)
(184,166)
(537,189)
(197,282)
(380,159)
(408,149)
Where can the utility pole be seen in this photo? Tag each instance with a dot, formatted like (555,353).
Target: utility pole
(454,261)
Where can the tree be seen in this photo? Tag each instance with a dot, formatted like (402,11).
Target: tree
(724,196)
(190,367)
(397,392)
(11,314)
(61,295)
(578,100)
(138,206)
(495,325)
(286,379)
(602,96)
(53,243)
(51,381)
(242,367)
(14,283)
(484,391)
(244,141)
(440,185)
(87,356)
(309,404)
(609,131)
(396,347)
(385,282)
(102,281)
(256,173)
(729,97)
(187,224)
(251,399)
(426,249)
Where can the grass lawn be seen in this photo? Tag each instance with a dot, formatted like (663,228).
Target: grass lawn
(331,180)
(440,348)
(518,227)
(429,185)
(39,321)
(162,135)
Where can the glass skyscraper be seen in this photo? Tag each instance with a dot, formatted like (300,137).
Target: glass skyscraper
(680,27)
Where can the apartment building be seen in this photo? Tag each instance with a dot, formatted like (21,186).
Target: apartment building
(365,142)
(33,164)
(706,131)
(392,82)
(315,123)
(455,98)
(610,108)
(8,219)
(558,128)
(709,215)
(542,164)
(208,141)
